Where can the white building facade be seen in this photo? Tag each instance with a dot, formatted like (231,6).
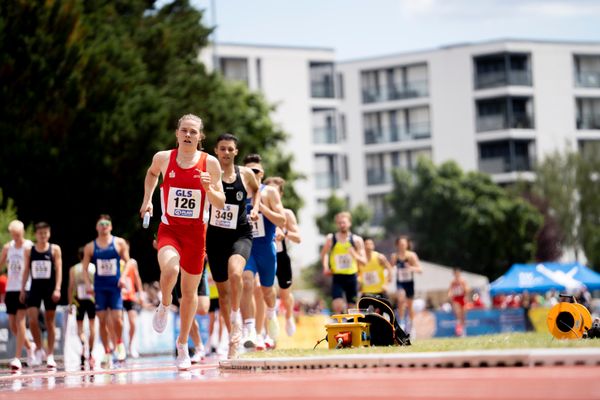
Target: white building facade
(496,107)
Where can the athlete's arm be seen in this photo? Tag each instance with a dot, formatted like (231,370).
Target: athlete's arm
(3,256)
(271,206)
(211,181)
(58,268)
(152,175)
(252,186)
(325,255)
(71,285)
(414,263)
(138,284)
(26,268)
(293,233)
(386,264)
(85,262)
(359,252)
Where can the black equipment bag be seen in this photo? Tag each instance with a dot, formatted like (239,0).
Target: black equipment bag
(384,330)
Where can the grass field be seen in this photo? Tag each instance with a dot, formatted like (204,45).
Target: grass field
(529,340)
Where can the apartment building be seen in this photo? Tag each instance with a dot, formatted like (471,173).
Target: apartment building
(496,107)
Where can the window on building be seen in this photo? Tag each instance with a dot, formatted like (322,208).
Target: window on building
(234,69)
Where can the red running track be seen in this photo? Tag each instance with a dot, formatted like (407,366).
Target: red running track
(465,383)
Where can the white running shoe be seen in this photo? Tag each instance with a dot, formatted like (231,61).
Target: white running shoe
(40,357)
(250,339)
(31,358)
(106,361)
(183,361)
(233,352)
(236,333)
(260,343)
(15,364)
(199,354)
(160,319)
(273,327)
(121,352)
(50,363)
(269,343)
(133,353)
(290,326)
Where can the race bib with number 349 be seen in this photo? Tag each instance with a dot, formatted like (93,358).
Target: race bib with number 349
(226,217)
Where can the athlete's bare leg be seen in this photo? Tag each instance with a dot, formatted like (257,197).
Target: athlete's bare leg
(287,298)
(233,288)
(189,303)
(34,326)
(259,301)
(247,306)
(168,259)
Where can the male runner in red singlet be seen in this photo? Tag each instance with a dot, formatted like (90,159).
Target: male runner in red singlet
(190,176)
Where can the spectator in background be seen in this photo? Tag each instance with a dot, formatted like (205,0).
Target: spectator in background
(458,295)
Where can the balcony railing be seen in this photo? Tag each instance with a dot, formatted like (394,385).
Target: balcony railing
(322,90)
(327,180)
(500,121)
(378,177)
(408,90)
(589,79)
(324,135)
(393,134)
(588,122)
(501,78)
(500,164)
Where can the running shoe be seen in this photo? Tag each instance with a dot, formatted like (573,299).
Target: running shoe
(250,339)
(133,352)
(40,357)
(50,363)
(183,361)
(236,333)
(199,354)
(259,344)
(290,326)
(31,358)
(121,352)
(273,327)
(15,364)
(159,322)
(106,361)
(269,343)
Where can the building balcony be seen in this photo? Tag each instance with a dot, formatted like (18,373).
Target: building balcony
(500,122)
(396,92)
(322,90)
(394,134)
(502,78)
(325,135)
(588,79)
(327,180)
(499,165)
(378,177)
(588,122)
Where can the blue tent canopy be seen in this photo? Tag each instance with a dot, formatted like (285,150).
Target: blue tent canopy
(541,277)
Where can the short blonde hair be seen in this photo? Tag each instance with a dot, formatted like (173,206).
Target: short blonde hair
(345,214)
(16,226)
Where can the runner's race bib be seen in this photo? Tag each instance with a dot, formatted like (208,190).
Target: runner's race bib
(184,203)
(343,262)
(404,275)
(371,278)
(226,217)
(106,267)
(258,226)
(15,269)
(82,293)
(41,269)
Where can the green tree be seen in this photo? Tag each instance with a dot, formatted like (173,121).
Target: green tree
(93,90)
(462,219)
(361,216)
(8,212)
(588,183)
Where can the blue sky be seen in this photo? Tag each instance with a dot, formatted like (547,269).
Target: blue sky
(363,28)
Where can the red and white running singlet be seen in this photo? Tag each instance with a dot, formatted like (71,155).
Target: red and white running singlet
(182,195)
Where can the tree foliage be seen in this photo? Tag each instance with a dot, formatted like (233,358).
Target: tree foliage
(462,219)
(92,90)
(570,183)
(361,216)
(8,213)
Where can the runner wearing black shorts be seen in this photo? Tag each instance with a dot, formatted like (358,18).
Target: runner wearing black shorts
(229,236)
